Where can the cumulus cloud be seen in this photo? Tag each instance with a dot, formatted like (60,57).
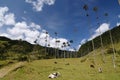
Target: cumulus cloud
(51,41)
(21,30)
(103,28)
(9,19)
(27,31)
(118,24)
(38,4)
(6,18)
(83,41)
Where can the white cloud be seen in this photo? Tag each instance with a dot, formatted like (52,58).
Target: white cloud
(18,29)
(51,41)
(21,30)
(9,19)
(5,17)
(118,24)
(103,28)
(78,47)
(83,41)
(26,31)
(3,10)
(35,26)
(38,4)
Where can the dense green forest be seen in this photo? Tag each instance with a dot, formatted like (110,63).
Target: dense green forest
(108,38)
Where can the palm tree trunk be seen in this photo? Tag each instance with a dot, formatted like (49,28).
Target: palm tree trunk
(102,52)
(101,41)
(113,48)
(114,54)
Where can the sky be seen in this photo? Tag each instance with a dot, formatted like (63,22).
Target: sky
(31,19)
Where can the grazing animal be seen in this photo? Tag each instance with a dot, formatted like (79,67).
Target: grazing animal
(54,75)
(55,62)
(100,70)
(92,66)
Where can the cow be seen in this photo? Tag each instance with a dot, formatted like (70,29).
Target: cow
(54,75)
(100,70)
(92,66)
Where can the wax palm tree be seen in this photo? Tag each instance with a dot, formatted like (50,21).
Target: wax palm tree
(56,44)
(68,45)
(113,48)
(46,42)
(71,41)
(64,45)
(85,7)
(95,9)
(75,52)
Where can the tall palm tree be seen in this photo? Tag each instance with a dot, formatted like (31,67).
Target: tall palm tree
(95,9)
(68,45)
(85,7)
(71,41)
(56,44)
(75,52)
(113,48)
(48,49)
(64,45)
(46,42)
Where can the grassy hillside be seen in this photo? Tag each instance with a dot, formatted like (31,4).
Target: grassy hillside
(87,47)
(70,69)
(20,50)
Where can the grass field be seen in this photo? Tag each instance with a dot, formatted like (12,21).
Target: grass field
(70,68)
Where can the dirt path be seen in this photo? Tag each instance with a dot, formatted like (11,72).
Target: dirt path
(4,71)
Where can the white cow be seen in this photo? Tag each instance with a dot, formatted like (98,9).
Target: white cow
(54,75)
(100,70)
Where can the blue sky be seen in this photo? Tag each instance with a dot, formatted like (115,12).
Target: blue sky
(27,19)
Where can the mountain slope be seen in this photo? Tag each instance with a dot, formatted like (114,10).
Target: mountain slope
(87,47)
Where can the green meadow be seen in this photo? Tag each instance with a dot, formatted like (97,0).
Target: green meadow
(70,69)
